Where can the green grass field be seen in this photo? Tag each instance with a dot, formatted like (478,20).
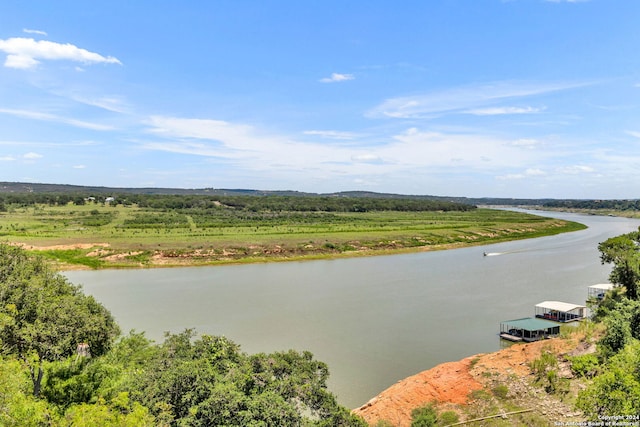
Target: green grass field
(103,236)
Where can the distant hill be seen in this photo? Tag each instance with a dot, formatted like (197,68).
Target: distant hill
(24,187)
(28,187)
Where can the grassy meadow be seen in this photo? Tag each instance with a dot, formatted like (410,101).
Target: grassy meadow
(96,235)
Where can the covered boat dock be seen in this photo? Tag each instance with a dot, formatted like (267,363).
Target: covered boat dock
(560,311)
(528,329)
(598,291)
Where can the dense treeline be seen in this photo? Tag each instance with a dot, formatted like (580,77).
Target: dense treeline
(619,205)
(61,364)
(248,203)
(615,386)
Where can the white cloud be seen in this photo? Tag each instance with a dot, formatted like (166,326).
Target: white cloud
(566,1)
(336,77)
(79,166)
(531,172)
(7,159)
(110,103)
(54,118)
(475,151)
(463,99)
(331,134)
(635,134)
(510,177)
(25,53)
(525,143)
(250,147)
(575,169)
(31,156)
(494,111)
(534,172)
(366,158)
(400,157)
(28,31)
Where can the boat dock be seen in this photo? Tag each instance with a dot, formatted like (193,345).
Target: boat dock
(548,316)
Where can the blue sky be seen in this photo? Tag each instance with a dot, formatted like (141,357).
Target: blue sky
(496,98)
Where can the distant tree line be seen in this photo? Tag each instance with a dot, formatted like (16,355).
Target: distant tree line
(618,205)
(273,203)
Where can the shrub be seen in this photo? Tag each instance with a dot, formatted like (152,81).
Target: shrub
(447,418)
(586,365)
(500,391)
(424,416)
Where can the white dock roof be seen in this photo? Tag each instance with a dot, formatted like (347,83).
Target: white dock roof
(603,286)
(559,306)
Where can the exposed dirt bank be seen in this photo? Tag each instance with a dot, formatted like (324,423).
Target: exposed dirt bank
(468,387)
(106,256)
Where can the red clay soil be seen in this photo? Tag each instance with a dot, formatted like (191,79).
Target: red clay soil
(452,382)
(449,382)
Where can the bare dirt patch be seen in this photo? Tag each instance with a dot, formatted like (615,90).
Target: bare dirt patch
(61,247)
(450,386)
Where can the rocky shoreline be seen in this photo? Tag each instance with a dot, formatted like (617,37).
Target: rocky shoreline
(484,383)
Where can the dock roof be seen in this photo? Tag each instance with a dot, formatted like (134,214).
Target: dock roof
(530,324)
(559,306)
(603,286)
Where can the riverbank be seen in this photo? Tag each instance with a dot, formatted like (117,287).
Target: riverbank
(487,385)
(113,245)
(87,256)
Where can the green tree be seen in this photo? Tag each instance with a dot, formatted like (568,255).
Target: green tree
(119,412)
(617,335)
(18,407)
(617,390)
(209,381)
(46,317)
(624,252)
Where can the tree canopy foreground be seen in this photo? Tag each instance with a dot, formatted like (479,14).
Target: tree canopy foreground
(64,363)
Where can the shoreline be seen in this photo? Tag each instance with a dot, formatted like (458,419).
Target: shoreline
(470,385)
(103,256)
(112,246)
(184,261)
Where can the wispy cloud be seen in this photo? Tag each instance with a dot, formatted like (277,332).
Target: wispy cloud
(529,173)
(29,31)
(36,115)
(635,134)
(331,134)
(336,77)
(7,158)
(47,144)
(525,143)
(253,149)
(566,1)
(472,150)
(366,158)
(110,103)
(576,169)
(32,156)
(413,149)
(25,53)
(465,99)
(496,111)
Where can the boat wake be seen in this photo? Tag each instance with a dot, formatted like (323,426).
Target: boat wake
(494,253)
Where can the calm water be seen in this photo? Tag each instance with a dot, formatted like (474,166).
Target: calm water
(374,320)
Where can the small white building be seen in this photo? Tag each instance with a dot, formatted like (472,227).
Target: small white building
(560,311)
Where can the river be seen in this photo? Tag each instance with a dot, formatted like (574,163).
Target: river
(373,320)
